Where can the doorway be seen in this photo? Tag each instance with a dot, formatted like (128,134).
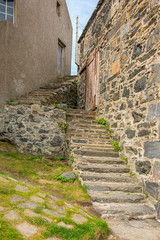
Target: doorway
(92,70)
(60,59)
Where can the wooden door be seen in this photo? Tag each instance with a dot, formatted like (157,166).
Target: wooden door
(92,82)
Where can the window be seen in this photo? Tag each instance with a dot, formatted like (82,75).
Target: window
(7,10)
(58,8)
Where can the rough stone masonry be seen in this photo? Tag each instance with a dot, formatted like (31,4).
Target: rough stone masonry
(34,129)
(126,35)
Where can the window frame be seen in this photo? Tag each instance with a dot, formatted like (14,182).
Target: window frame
(6,12)
(58,8)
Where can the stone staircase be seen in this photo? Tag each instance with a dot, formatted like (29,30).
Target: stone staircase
(63,91)
(113,191)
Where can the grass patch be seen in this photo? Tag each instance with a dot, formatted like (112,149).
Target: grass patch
(101,121)
(7,232)
(38,221)
(147,196)
(89,231)
(62,179)
(125,160)
(42,172)
(60,158)
(116,146)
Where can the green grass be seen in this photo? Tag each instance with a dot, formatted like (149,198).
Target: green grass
(116,146)
(91,230)
(147,196)
(7,232)
(41,172)
(132,174)
(60,158)
(94,228)
(63,126)
(71,160)
(108,128)
(10,101)
(38,221)
(125,160)
(63,180)
(101,121)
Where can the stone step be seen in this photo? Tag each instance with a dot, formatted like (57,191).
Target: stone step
(74,130)
(83,122)
(100,168)
(91,146)
(28,101)
(107,177)
(88,144)
(50,86)
(96,153)
(96,140)
(75,147)
(81,116)
(60,82)
(116,197)
(90,133)
(81,111)
(94,148)
(43,93)
(68,78)
(125,210)
(98,160)
(91,136)
(105,187)
(55,87)
(85,125)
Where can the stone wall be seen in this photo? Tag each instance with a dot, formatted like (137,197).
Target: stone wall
(127,35)
(34,129)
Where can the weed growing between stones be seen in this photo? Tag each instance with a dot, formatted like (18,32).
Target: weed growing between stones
(62,179)
(53,105)
(90,230)
(108,128)
(33,158)
(63,126)
(132,174)
(116,146)
(44,216)
(71,160)
(38,221)
(125,159)
(101,121)
(10,101)
(7,232)
(60,158)
(127,166)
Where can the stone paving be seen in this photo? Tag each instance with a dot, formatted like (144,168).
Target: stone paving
(27,204)
(134,230)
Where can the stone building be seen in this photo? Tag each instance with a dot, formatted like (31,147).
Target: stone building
(119,75)
(36,42)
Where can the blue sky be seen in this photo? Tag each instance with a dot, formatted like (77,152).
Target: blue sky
(83,9)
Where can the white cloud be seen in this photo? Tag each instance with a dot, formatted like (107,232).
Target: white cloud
(83,9)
